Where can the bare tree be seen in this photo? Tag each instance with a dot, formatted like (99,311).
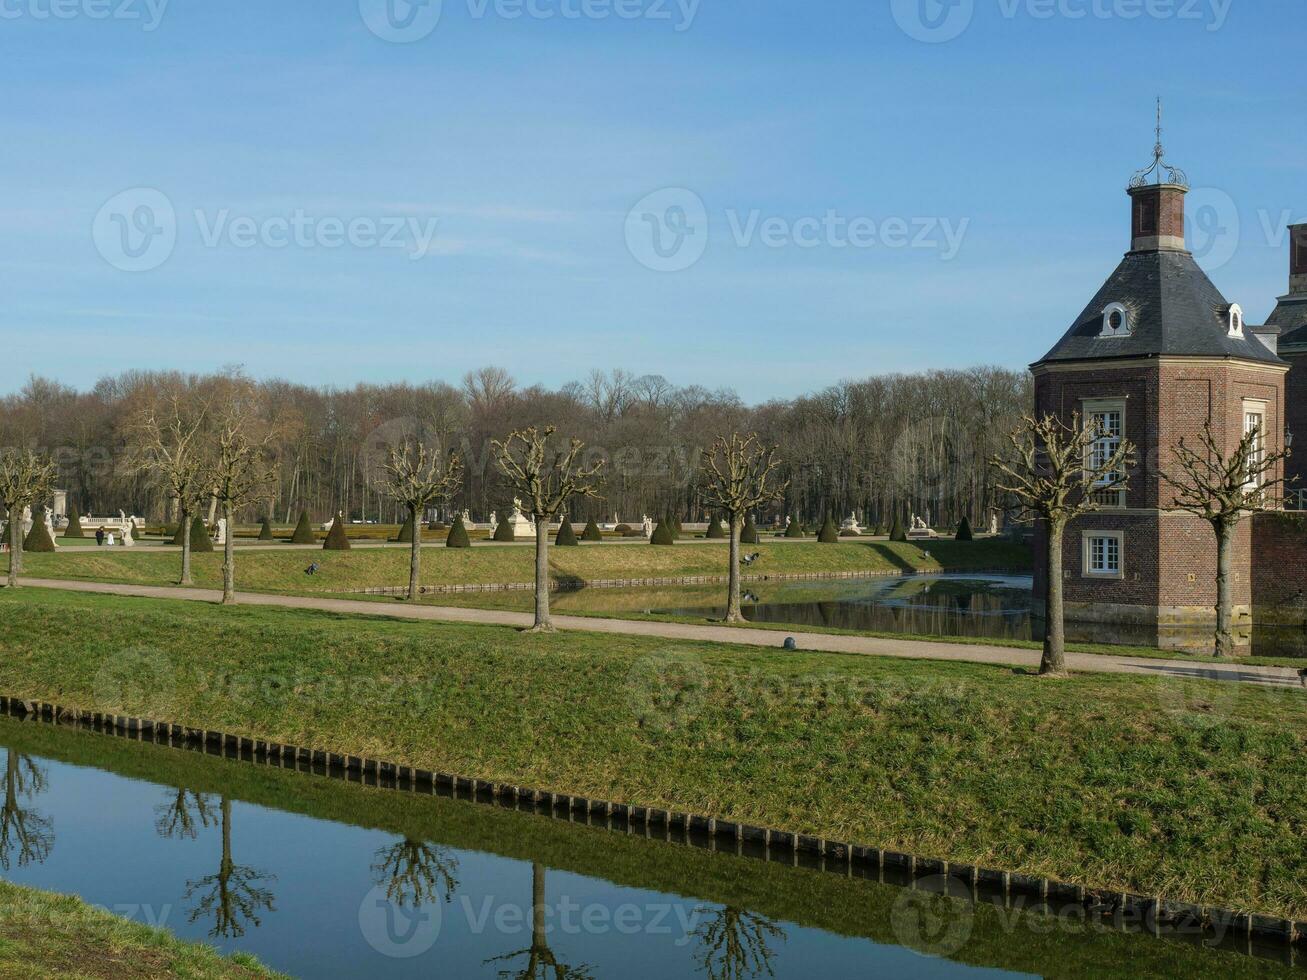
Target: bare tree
(171,445)
(417,478)
(1223,490)
(241,471)
(414,873)
(1056,473)
(25,478)
(739,475)
(548,478)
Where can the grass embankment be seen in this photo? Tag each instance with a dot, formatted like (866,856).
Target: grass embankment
(1195,790)
(48,935)
(851,907)
(273,570)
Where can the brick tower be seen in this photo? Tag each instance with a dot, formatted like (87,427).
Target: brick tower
(1290,321)
(1156,353)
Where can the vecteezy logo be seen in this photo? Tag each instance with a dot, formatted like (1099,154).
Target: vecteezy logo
(933,21)
(395,929)
(667,231)
(136,231)
(936,917)
(138,681)
(1214,228)
(400,21)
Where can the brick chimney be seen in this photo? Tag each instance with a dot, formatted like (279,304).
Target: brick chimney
(1298,260)
(1157,222)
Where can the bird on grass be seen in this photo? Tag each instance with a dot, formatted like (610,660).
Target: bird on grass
(750,559)
(312,569)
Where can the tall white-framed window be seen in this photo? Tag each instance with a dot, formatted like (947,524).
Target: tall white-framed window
(1106,420)
(1103,554)
(1234,321)
(1254,422)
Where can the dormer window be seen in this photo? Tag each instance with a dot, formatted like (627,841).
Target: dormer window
(1234,322)
(1116,321)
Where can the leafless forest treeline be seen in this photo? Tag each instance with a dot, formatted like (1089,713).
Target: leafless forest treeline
(879,446)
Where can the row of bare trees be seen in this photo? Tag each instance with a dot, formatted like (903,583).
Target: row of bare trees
(882,447)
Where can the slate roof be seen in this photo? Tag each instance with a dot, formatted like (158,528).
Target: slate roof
(1174,309)
(1291,317)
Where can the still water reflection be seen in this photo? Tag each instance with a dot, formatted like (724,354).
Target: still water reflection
(324,878)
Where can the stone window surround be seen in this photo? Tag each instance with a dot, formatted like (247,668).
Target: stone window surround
(1087,539)
(1088,406)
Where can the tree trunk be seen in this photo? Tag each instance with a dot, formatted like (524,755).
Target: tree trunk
(733,614)
(15,547)
(229,559)
(415,554)
(1054,659)
(543,623)
(185,525)
(1224,598)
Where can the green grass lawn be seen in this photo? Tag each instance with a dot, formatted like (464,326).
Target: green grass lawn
(48,935)
(1191,789)
(283,570)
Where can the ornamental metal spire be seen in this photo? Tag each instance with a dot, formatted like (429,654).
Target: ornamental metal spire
(1159,167)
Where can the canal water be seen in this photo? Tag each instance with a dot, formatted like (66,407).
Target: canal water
(324,878)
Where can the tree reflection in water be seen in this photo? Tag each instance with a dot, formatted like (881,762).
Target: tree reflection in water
(23,830)
(183,814)
(733,944)
(234,895)
(541,963)
(414,872)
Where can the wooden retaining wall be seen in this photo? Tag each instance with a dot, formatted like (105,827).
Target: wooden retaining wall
(1124,910)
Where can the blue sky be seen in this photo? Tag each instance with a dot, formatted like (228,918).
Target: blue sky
(499,157)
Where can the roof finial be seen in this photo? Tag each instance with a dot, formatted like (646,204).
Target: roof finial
(1174,175)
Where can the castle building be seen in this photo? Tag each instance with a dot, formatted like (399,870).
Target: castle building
(1157,353)
(1290,322)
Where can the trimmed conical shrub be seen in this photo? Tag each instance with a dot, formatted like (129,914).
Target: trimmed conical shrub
(457,537)
(38,538)
(265,532)
(896,532)
(303,531)
(337,539)
(964,530)
(592,532)
(566,535)
(830,534)
(405,535)
(504,531)
(716,529)
(749,533)
(794,529)
(200,540)
(663,533)
(74,528)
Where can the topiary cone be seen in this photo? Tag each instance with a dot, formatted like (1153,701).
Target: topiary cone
(896,532)
(303,531)
(794,529)
(964,530)
(405,535)
(504,531)
(829,532)
(592,532)
(716,529)
(265,532)
(200,540)
(662,534)
(337,539)
(74,528)
(38,538)
(566,534)
(749,533)
(457,537)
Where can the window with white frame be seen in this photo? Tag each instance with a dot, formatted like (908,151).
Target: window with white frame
(1254,423)
(1234,321)
(1106,420)
(1116,321)
(1102,554)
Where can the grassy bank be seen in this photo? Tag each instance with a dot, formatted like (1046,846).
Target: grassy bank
(271,570)
(47,935)
(850,907)
(1194,790)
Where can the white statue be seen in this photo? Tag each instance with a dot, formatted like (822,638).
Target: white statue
(647,524)
(788,520)
(993,522)
(467,518)
(517,508)
(494,521)
(222,531)
(26,525)
(127,534)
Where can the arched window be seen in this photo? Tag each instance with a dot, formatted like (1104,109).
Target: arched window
(1235,321)
(1116,321)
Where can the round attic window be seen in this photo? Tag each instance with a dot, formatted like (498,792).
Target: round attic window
(1116,321)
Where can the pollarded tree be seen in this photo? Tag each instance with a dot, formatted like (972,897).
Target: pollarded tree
(1223,490)
(738,476)
(417,478)
(1055,472)
(25,478)
(242,468)
(547,478)
(169,441)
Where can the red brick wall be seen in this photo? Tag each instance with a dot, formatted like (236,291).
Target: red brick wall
(1279,575)
(1295,400)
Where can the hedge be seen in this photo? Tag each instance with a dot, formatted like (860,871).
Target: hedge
(829,532)
(716,529)
(405,535)
(794,529)
(457,537)
(749,533)
(504,530)
(566,534)
(663,534)
(38,537)
(592,532)
(200,540)
(896,532)
(265,532)
(74,528)
(964,530)
(303,531)
(337,539)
